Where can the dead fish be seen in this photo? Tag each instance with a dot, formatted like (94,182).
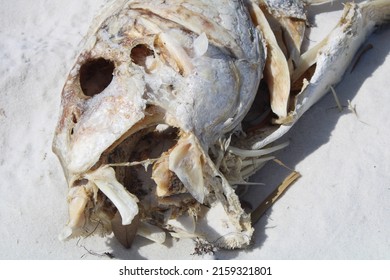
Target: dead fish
(158,85)
(154,115)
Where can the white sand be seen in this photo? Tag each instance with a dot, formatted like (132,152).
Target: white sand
(339,209)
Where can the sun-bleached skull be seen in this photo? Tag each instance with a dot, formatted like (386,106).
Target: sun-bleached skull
(146,110)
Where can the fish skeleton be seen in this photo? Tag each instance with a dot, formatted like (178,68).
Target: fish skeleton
(153,134)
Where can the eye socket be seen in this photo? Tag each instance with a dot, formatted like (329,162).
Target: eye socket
(96,75)
(139,54)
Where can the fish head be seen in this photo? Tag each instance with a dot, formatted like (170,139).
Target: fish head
(152,92)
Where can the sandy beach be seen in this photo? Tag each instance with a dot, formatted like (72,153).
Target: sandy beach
(338,209)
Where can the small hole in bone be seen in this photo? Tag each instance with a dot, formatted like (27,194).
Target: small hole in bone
(139,54)
(74,118)
(96,75)
(80,182)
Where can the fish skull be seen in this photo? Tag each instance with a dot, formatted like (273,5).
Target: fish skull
(158,89)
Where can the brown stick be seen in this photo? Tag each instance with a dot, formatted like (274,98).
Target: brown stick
(275,195)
